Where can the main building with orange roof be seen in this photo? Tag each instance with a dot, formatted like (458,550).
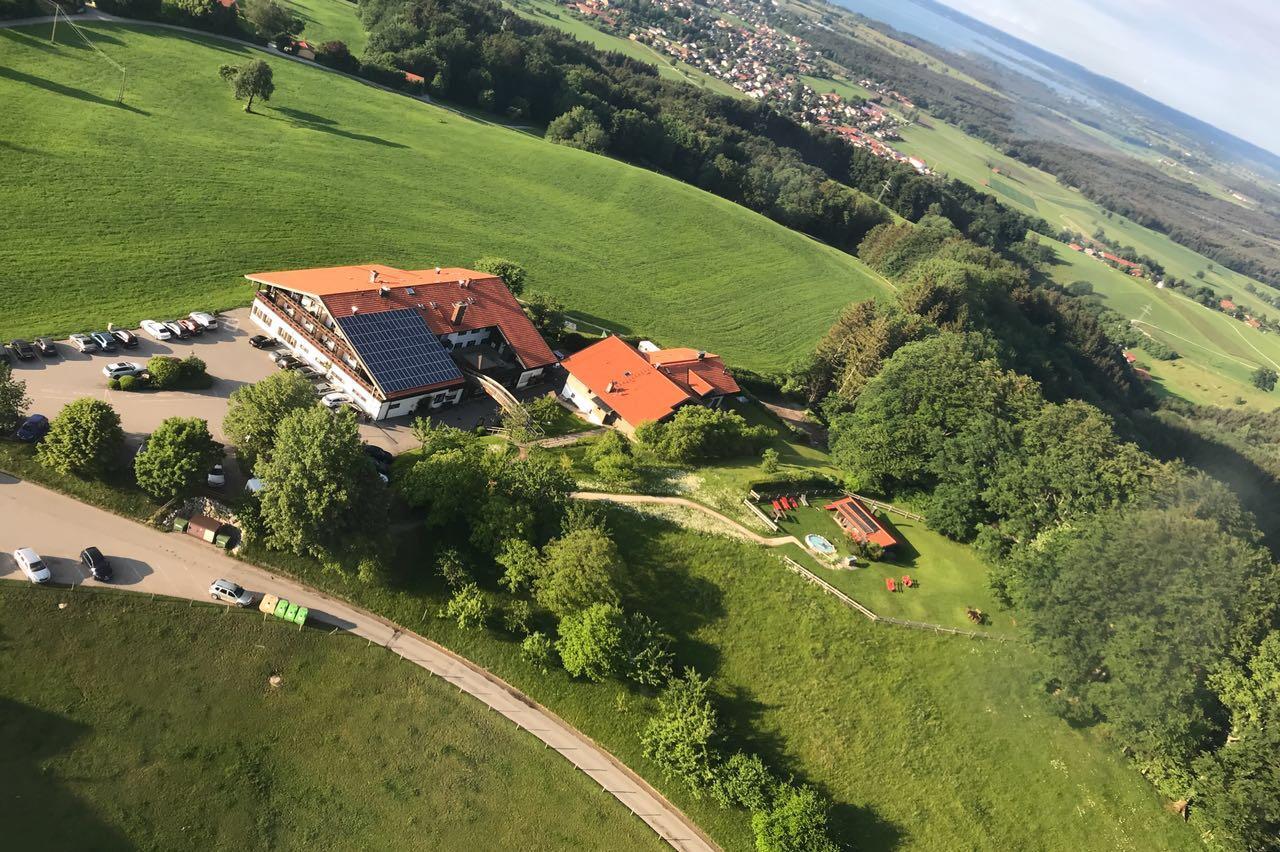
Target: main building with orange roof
(392,339)
(611,383)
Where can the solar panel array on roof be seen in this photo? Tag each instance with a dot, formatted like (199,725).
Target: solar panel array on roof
(399,350)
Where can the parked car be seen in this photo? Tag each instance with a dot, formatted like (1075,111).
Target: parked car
(33,428)
(217,477)
(99,566)
(46,347)
(284,360)
(32,565)
(125,338)
(204,320)
(381,457)
(116,369)
(105,340)
(24,350)
(84,342)
(191,326)
(176,329)
(254,485)
(158,330)
(261,341)
(334,401)
(232,593)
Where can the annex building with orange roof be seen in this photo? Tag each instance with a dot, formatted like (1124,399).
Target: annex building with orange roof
(611,383)
(392,339)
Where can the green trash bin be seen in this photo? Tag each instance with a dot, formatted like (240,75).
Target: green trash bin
(291,613)
(223,541)
(281,607)
(180,524)
(301,618)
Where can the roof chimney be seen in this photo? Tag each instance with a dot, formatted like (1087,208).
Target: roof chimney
(611,387)
(702,354)
(384,291)
(437,270)
(355,309)
(459,309)
(373,276)
(462,282)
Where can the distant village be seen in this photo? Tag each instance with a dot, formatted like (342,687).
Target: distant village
(765,64)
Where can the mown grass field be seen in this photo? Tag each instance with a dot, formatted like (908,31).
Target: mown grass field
(924,742)
(113,212)
(1218,353)
(331,20)
(130,723)
(551,14)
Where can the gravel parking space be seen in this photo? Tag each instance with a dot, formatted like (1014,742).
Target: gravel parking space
(54,382)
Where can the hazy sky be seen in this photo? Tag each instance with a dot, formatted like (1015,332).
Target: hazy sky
(1214,60)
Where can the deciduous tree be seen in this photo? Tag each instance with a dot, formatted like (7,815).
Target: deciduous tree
(578,571)
(590,643)
(255,412)
(177,457)
(85,439)
(251,80)
(13,399)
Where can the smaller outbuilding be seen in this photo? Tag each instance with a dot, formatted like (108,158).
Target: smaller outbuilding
(860,523)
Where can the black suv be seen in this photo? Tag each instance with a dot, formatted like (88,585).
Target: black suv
(98,566)
(23,349)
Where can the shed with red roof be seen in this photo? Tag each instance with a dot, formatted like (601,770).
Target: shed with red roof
(859,522)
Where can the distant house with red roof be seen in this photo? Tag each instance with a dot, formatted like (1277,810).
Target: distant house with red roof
(1075,246)
(1130,357)
(1253,322)
(1227,305)
(1115,258)
(418,79)
(859,522)
(611,383)
(391,339)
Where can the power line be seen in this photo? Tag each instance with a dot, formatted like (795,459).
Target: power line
(53,39)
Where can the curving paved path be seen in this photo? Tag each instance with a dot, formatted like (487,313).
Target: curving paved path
(150,561)
(731,526)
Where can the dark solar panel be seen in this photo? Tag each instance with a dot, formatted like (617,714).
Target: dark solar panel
(399,350)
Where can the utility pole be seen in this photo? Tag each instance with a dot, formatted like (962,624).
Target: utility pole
(888,184)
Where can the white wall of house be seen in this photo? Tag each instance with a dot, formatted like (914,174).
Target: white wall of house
(529,376)
(580,397)
(474,337)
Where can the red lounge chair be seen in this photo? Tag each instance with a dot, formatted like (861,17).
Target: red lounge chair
(888,584)
(907,581)
(777,507)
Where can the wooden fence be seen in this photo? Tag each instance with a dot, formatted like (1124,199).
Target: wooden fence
(881,619)
(886,507)
(755,510)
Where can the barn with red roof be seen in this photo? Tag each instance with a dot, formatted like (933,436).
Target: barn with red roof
(392,339)
(612,383)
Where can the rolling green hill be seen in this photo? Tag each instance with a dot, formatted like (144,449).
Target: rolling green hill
(331,20)
(131,723)
(160,205)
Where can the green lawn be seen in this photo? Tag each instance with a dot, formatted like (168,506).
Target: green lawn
(948,576)
(554,15)
(331,20)
(1219,354)
(160,205)
(923,742)
(128,723)
(118,493)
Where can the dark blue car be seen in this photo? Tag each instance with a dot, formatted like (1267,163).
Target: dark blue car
(33,428)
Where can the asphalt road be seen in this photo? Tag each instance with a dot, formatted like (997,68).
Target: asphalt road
(150,561)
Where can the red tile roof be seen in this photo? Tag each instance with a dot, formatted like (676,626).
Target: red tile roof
(489,302)
(858,521)
(624,381)
(1117,259)
(410,77)
(700,376)
(1227,305)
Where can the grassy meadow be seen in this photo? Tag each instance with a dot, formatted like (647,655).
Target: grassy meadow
(923,742)
(331,20)
(116,212)
(1218,353)
(130,723)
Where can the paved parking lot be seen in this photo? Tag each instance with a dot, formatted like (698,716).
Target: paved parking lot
(54,382)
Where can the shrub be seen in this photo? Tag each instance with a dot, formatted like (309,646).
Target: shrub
(797,822)
(85,439)
(165,371)
(590,642)
(579,128)
(128,383)
(680,739)
(743,781)
(113,383)
(511,273)
(336,54)
(769,460)
(516,615)
(177,457)
(537,650)
(696,433)
(469,607)
(14,401)
(647,651)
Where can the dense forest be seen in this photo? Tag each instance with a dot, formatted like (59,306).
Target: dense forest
(1144,583)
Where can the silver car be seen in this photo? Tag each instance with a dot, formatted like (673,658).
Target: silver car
(229,592)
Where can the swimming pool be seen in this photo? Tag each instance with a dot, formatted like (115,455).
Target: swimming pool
(820,544)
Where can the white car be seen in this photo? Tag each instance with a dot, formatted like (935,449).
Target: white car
(229,592)
(32,565)
(217,476)
(335,400)
(84,343)
(117,369)
(204,320)
(158,330)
